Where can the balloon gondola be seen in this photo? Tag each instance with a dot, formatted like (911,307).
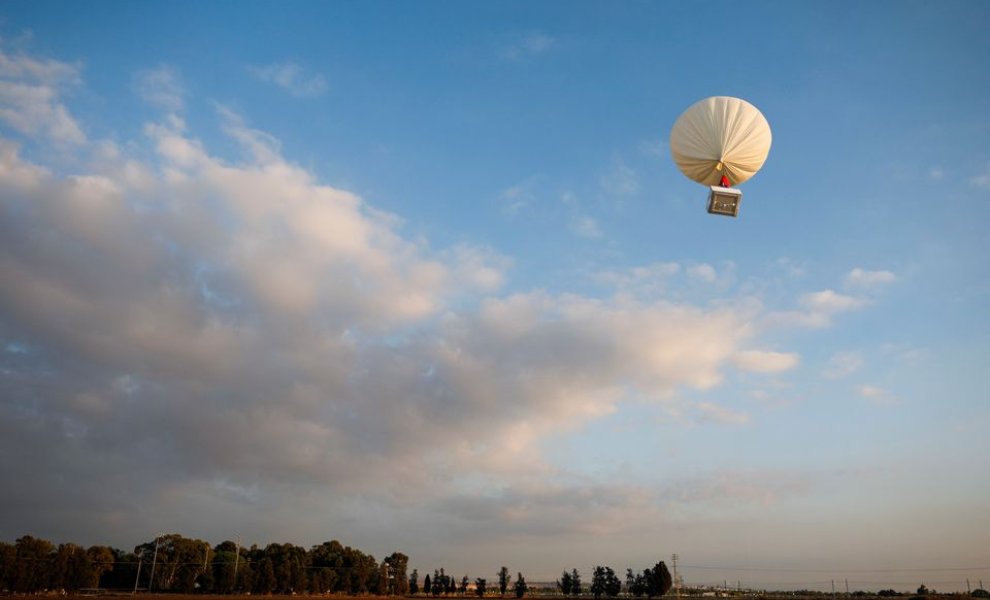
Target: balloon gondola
(720,142)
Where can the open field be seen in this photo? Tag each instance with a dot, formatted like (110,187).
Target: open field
(537,593)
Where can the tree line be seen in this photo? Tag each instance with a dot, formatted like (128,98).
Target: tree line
(442,584)
(651,582)
(173,563)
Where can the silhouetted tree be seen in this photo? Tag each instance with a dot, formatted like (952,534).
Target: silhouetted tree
(612,584)
(598,582)
(414,582)
(657,580)
(575,583)
(503,580)
(564,583)
(481,586)
(520,587)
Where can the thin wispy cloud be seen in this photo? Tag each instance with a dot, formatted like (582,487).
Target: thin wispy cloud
(292,78)
(520,196)
(843,364)
(713,413)
(586,227)
(876,395)
(764,361)
(527,45)
(620,180)
(817,310)
(864,279)
(703,272)
(981,180)
(161,87)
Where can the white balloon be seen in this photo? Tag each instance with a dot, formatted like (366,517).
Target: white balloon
(720,136)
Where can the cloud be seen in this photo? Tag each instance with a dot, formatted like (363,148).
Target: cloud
(876,395)
(863,279)
(981,180)
(702,272)
(527,45)
(713,413)
(831,302)
(843,364)
(292,78)
(790,267)
(520,196)
(205,329)
(759,361)
(161,87)
(620,180)
(818,308)
(586,227)
(645,281)
(237,335)
(30,98)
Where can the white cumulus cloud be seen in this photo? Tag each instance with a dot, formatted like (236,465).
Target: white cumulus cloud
(31,98)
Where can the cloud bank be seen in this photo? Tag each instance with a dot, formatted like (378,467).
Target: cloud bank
(192,333)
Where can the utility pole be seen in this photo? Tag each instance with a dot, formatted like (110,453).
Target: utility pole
(138,576)
(847,586)
(154,560)
(677,583)
(968,591)
(833,589)
(237,556)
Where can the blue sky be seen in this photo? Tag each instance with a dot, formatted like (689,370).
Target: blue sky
(423,276)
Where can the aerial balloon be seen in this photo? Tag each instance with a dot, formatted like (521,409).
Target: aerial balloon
(721,142)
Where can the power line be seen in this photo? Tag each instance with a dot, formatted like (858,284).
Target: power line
(836,570)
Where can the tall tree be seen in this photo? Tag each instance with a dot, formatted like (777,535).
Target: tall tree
(612,584)
(564,583)
(437,586)
(503,580)
(265,582)
(31,572)
(598,582)
(480,587)
(71,569)
(398,563)
(657,580)
(414,582)
(575,583)
(520,587)
(8,558)
(101,559)
(464,585)
(427,585)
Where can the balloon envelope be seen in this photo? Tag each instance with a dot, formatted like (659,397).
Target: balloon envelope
(719,136)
